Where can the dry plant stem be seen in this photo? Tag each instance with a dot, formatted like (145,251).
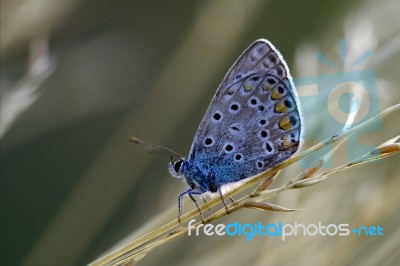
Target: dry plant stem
(182,231)
(244,202)
(139,253)
(136,255)
(129,250)
(393,149)
(266,183)
(267,207)
(390,150)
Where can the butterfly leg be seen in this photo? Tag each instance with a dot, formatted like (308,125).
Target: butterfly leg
(189,192)
(205,202)
(204,199)
(223,200)
(195,202)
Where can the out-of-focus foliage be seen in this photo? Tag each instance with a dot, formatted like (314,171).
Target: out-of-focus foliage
(71,184)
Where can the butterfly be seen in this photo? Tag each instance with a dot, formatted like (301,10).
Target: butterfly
(253,123)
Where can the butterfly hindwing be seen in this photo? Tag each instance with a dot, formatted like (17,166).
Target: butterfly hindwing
(253,121)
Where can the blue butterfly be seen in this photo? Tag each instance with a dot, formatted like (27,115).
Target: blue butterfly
(253,123)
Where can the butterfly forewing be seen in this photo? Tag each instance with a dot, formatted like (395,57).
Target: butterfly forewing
(253,121)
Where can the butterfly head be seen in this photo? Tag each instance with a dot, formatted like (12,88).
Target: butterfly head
(175,168)
(184,170)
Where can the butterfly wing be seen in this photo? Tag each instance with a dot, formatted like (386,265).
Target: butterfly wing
(254,120)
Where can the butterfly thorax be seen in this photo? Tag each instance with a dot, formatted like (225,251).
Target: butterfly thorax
(198,178)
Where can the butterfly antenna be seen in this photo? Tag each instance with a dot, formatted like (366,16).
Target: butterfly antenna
(154,147)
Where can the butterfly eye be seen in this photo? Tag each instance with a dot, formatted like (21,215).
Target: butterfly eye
(177,165)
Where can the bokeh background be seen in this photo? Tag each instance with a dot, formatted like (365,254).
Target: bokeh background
(78,77)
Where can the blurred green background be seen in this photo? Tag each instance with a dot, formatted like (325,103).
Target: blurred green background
(79,77)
